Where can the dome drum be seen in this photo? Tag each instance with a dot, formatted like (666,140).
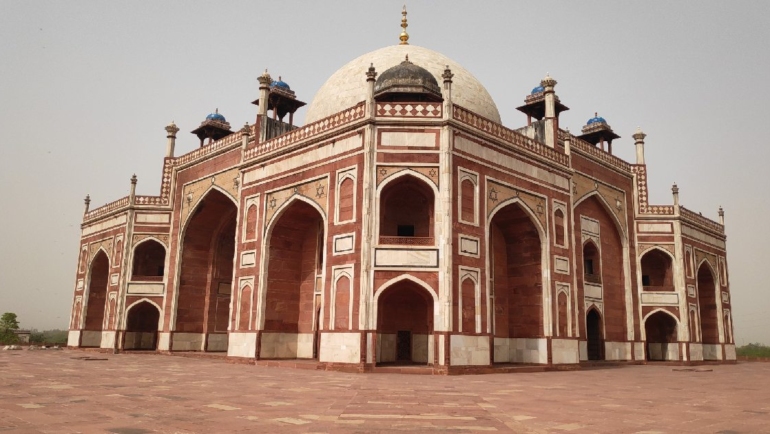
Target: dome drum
(407,82)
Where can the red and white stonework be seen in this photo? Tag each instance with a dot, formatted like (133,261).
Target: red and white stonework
(402,225)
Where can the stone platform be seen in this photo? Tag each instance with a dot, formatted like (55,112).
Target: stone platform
(79,392)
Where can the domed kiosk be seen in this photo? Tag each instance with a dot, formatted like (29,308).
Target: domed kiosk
(403,224)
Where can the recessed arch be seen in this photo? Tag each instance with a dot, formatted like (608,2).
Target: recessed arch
(202,308)
(395,280)
(517,280)
(706,280)
(657,268)
(142,319)
(405,209)
(194,207)
(661,333)
(96,291)
(292,279)
(148,259)
(405,315)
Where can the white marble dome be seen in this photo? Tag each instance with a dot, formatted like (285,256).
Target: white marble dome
(347,87)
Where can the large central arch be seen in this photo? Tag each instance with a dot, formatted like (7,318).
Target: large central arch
(291,308)
(99,274)
(516,282)
(709,315)
(205,277)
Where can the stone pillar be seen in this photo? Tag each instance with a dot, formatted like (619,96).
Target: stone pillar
(675,193)
(551,122)
(371,77)
(568,143)
(264,90)
(447,76)
(245,133)
(87,202)
(171,130)
(639,142)
(721,216)
(132,195)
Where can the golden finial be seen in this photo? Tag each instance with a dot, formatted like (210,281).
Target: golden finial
(404,36)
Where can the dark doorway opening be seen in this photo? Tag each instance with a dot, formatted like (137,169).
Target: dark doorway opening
(594,334)
(142,327)
(404,346)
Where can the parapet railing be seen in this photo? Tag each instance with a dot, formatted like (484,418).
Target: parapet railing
(106,209)
(328,123)
(699,220)
(507,135)
(407,241)
(601,155)
(210,149)
(409,109)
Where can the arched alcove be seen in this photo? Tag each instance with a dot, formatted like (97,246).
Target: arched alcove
(661,331)
(657,271)
(142,327)
(406,212)
(404,324)
(149,261)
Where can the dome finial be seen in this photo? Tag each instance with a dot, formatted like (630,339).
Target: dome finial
(404,36)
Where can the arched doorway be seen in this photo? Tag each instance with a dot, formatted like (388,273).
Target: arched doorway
(293,285)
(595,335)
(516,282)
(205,279)
(405,324)
(142,327)
(96,303)
(709,318)
(406,212)
(660,328)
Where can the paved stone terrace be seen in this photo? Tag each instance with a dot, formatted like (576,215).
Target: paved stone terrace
(61,392)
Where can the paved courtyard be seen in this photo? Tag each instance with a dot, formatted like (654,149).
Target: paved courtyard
(61,392)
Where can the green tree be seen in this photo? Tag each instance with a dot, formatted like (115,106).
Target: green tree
(8,323)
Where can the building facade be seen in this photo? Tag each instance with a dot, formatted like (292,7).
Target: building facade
(403,223)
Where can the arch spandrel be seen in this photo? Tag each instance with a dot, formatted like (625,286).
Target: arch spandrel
(316,191)
(105,244)
(583,186)
(138,238)
(498,193)
(711,258)
(384,172)
(644,248)
(227,182)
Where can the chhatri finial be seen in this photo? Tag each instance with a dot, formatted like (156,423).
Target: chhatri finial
(404,36)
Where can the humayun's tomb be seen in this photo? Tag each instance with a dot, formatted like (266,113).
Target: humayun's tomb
(403,224)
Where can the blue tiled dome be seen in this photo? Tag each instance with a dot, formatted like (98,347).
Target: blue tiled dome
(280,83)
(596,119)
(538,90)
(216,117)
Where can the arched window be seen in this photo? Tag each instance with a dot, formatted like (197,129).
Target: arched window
(149,260)
(688,262)
(591,263)
(657,273)
(558,228)
(251,222)
(406,212)
(467,201)
(342,304)
(346,191)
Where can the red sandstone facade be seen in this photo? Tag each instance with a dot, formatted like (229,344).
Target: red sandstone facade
(402,230)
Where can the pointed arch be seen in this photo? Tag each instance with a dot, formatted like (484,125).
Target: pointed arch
(618,225)
(95,297)
(408,217)
(142,319)
(706,280)
(530,213)
(284,206)
(153,265)
(204,196)
(661,329)
(657,268)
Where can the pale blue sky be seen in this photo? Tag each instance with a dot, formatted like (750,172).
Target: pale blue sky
(87,87)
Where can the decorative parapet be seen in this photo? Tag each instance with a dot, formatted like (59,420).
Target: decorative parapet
(323,125)
(410,110)
(590,150)
(198,154)
(150,200)
(698,220)
(467,117)
(106,209)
